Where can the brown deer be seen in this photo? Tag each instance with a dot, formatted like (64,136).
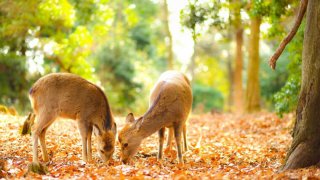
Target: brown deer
(69,96)
(169,106)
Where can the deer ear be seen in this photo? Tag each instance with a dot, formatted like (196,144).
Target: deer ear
(114,129)
(96,130)
(130,118)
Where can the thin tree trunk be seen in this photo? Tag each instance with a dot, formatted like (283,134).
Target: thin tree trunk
(253,86)
(168,34)
(237,79)
(305,147)
(231,82)
(192,64)
(238,90)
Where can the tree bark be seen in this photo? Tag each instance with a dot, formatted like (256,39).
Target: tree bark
(168,34)
(305,147)
(237,79)
(253,86)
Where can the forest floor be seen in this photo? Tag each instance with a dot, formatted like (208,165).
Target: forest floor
(221,146)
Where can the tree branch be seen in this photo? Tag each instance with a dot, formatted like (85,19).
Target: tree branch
(292,33)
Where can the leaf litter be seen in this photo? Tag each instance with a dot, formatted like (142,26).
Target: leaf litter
(221,146)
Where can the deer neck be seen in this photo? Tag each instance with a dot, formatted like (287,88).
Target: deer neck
(150,123)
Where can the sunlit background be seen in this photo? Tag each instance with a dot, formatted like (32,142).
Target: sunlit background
(123,46)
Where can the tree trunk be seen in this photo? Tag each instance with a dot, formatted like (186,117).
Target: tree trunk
(238,90)
(237,79)
(305,147)
(230,106)
(168,34)
(192,64)
(253,86)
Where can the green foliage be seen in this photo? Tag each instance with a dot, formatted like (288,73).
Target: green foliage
(71,52)
(197,13)
(141,35)
(121,45)
(115,69)
(192,15)
(56,35)
(273,9)
(14,84)
(86,10)
(287,98)
(56,13)
(272,81)
(206,98)
(259,8)
(124,60)
(279,11)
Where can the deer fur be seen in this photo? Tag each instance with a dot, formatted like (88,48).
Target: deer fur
(169,106)
(69,96)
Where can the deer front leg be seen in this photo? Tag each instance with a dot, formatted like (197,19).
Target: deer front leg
(161,140)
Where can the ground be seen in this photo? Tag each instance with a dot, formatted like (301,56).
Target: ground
(221,146)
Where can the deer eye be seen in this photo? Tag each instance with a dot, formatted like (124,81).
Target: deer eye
(125,145)
(102,151)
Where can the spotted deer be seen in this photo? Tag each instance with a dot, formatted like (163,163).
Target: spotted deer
(69,96)
(169,106)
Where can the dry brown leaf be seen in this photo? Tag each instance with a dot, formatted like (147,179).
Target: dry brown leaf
(222,146)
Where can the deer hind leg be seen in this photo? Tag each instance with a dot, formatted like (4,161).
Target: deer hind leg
(171,132)
(161,140)
(89,145)
(35,138)
(83,129)
(169,141)
(185,137)
(177,135)
(43,122)
(43,145)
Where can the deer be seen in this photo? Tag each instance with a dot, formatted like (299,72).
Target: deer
(169,107)
(66,95)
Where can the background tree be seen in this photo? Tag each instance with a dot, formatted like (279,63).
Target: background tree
(304,149)
(122,47)
(237,78)
(202,14)
(170,55)
(253,86)
(259,11)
